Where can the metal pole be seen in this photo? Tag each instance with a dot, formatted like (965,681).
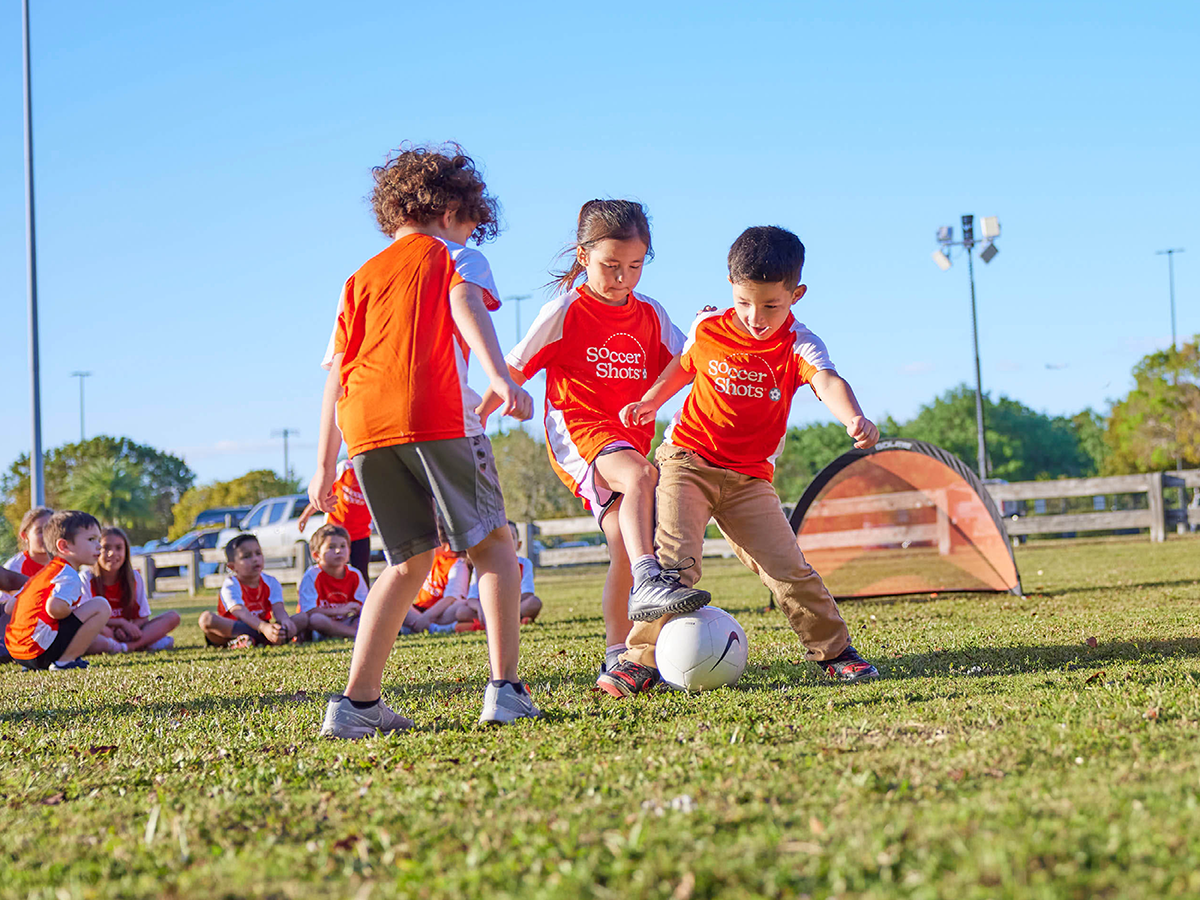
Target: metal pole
(287,469)
(978,375)
(81,376)
(37,486)
(1171,281)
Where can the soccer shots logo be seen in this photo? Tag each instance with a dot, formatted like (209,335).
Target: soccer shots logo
(620,357)
(744,375)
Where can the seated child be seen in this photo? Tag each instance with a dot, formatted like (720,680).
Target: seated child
(129,625)
(33,554)
(718,456)
(249,600)
(53,623)
(470,611)
(444,587)
(332,592)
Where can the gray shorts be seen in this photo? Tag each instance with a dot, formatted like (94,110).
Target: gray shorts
(410,488)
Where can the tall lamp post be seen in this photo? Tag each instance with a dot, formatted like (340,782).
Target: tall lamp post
(37,483)
(81,376)
(515,300)
(285,433)
(1170,255)
(990,227)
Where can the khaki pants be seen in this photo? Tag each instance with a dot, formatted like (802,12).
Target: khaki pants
(690,491)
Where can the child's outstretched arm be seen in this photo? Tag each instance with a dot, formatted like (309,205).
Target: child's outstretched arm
(329,440)
(491,400)
(835,392)
(674,378)
(475,325)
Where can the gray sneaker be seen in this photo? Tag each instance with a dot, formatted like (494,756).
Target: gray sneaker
(504,704)
(342,720)
(663,594)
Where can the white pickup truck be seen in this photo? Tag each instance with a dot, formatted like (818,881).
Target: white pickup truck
(273,522)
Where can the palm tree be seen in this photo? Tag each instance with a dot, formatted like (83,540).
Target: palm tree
(113,490)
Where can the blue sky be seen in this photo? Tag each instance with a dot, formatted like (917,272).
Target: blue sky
(201,174)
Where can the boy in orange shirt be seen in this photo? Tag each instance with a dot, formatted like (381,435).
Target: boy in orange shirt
(332,592)
(52,623)
(351,513)
(250,599)
(718,457)
(397,393)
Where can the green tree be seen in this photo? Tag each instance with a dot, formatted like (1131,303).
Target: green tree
(806,452)
(244,491)
(113,490)
(1090,430)
(531,489)
(1158,422)
(166,478)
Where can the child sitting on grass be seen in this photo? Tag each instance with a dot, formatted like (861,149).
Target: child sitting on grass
(444,589)
(129,625)
(469,612)
(249,600)
(53,623)
(332,592)
(34,554)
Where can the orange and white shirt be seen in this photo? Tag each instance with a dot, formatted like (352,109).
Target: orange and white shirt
(256,599)
(32,629)
(736,414)
(404,363)
(320,590)
(350,506)
(449,576)
(25,564)
(94,586)
(597,358)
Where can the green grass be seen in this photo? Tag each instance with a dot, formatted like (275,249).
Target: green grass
(1001,756)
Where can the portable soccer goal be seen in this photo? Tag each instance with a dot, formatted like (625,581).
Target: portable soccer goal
(904,517)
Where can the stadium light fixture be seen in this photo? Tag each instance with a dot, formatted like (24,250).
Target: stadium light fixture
(989,227)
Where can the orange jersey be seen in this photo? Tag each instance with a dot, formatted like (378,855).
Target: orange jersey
(736,414)
(32,630)
(448,575)
(350,506)
(597,358)
(256,599)
(25,564)
(404,363)
(320,590)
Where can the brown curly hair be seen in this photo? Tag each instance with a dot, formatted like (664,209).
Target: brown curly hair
(418,184)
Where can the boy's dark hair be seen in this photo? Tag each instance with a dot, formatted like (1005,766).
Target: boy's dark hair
(602,220)
(324,533)
(418,184)
(236,541)
(766,253)
(66,525)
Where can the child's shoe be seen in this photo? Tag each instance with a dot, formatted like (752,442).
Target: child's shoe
(404,629)
(849,666)
(435,628)
(77,663)
(505,702)
(344,720)
(662,594)
(626,678)
(611,658)
(241,642)
(166,642)
(473,625)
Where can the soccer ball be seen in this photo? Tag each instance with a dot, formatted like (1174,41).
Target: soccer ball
(701,650)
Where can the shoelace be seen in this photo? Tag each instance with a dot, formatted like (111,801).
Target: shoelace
(672,572)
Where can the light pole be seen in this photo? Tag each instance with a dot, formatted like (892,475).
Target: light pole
(37,483)
(990,225)
(81,376)
(285,433)
(1170,255)
(515,300)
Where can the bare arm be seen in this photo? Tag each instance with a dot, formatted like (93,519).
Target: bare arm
(673,379)
(836,393)
(329,441)
(11,581)
(491,400)
(473,322)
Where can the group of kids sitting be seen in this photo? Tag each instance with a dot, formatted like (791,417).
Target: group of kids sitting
(396,394)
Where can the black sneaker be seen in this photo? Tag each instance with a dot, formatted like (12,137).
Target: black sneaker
(627,678)
(848,667)
(664,594)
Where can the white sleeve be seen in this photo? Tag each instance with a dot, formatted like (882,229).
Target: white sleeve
(276,588)
(473,591)
(14,564)
(671,337)
(68,586)
(472,266)
(526,575)
(327,361)
(231,593)
(360,591)
(546,329)
(811,349)
(143,602)
(308,589)
(458,580)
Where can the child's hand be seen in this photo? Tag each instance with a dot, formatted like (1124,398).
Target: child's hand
(863,431)
(514,399)
(487,405)
(636,414)
(320,490)
(273,632)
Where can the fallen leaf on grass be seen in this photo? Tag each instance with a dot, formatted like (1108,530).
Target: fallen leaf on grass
(957,775)
(815,825)
(54,799)
(1151,713)
(1092,642)
(1094,676)
(107,748)
(683,890)
(347,842)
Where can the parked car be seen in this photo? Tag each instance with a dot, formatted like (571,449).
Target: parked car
(203,539)
(226,516)
(273,522)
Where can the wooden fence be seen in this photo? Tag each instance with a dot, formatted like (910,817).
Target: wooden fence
(1156,517)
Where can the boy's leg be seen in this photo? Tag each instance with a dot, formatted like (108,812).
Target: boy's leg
(754,524)
(331,627)
(383,613)
(614,601)
(360,557)
(217,629)
(94,615)
(495,559)
(531,606)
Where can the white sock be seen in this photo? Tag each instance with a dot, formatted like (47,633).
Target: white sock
(645,567)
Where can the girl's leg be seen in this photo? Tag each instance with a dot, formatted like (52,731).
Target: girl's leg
(619,582)
(156,629)
(531,605)
(383,613)
(495,560)
(634,477)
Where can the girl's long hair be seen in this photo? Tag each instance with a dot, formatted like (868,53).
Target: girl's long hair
(602,220)
(125,577)
(27,521)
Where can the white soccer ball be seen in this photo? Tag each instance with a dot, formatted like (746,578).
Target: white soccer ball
(701,650)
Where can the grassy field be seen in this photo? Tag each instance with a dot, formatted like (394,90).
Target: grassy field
(1000,756)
